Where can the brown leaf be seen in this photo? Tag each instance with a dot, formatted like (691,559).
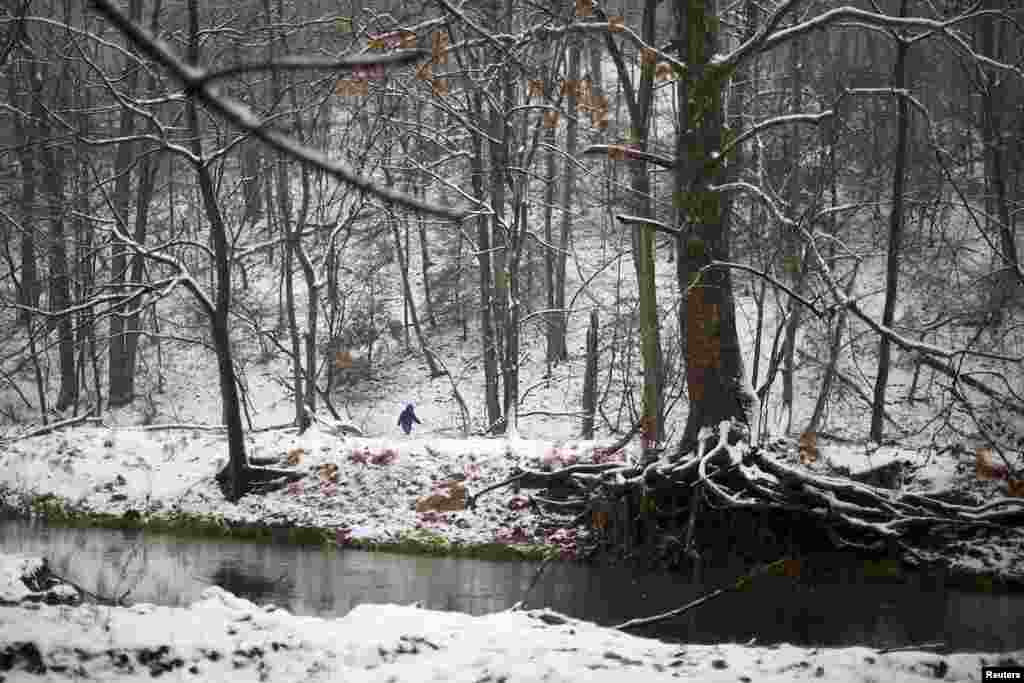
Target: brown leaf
(808,446)
(986,467)
(453,499)
(328,472)
(295,455)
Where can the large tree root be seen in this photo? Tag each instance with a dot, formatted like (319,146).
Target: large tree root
(259,480)
(732,477)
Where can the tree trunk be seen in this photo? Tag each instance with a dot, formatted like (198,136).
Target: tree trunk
(552,316)
(291,233)
(60,284)
(143,199)
(233,478)
(421,224)
(486,278)
(308,273)
(403,266)
(560,350)
(895,237)
(25,130)
(590,378)
(121,376)
(833,361)
(252,185)
(639,103)
(796,265)
(994,92)
(500,239)
(716,380)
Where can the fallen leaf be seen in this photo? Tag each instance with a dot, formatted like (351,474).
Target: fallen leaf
(985,466)
(808,447)
(328,471)
(518,503)
(450,500)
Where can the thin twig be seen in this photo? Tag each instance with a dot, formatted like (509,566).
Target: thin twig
(739,584)
(536,577)
(938,645)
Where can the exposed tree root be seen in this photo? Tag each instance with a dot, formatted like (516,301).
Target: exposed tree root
(258,480)
(733,476)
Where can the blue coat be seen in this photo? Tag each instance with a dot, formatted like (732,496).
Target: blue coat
(406,419)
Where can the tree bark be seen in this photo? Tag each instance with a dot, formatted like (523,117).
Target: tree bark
(486,279)
(895,236)
(60,284)
(718,387)
(553,348)
(403,266)
(121,375)
(560,351)
(233,478)
(994,90)
(26,131)
(143,200)
(797,266)
(251,181)
(590,378)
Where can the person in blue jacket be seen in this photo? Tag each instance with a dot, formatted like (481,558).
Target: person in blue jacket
(407,417)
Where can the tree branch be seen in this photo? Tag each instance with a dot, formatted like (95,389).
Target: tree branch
(194,79)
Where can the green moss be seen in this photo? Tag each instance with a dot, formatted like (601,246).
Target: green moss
(60,512)
(426,543)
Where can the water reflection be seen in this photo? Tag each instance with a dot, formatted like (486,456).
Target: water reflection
(842,608)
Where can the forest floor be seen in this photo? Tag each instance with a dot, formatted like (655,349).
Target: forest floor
(222,637)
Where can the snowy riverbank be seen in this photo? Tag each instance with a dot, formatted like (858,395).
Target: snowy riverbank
(359,490)
(364,491)
(222,637)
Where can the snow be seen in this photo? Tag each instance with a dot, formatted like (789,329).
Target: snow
(222,637)
(113,470)
(13,568)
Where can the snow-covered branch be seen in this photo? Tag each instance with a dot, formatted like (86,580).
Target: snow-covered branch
(195,80)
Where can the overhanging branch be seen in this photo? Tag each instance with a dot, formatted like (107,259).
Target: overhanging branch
(195,81)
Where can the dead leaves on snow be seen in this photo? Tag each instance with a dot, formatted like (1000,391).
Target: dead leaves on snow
(988,469)
(328,472)
(450,500)
(295,455)
(808,447)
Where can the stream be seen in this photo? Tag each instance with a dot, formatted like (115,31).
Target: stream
(845,608)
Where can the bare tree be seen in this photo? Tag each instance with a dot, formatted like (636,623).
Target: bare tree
(892,267)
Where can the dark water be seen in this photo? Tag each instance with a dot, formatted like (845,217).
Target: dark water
(846,610)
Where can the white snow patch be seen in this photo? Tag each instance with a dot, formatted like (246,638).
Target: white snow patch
(223,637)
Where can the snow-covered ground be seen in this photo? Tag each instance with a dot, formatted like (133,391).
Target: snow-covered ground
(113,471)
(222,637)
(372,498)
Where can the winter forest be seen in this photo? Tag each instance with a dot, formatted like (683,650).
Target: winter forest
(662,282)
